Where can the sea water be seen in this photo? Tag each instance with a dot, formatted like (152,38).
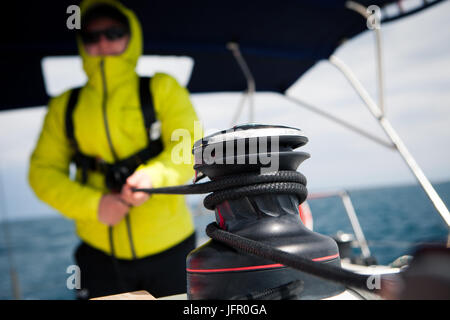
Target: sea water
(395,221)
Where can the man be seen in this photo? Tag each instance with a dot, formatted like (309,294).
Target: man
(130,241)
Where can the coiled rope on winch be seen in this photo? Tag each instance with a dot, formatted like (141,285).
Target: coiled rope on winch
(250,184)
(243,185)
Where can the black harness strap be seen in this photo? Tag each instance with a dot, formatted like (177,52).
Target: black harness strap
(70,132)
(117,172)
(146,100)
(73,99)
(148,111)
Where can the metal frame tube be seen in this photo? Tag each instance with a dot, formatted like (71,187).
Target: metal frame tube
(362,10)
(239,109)
(340,121)
(352,216)
(394,137)
(4,221)
(380,71)
(251,87)
(355,224)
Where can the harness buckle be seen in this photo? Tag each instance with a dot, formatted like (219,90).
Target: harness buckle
(155,131)
(116,176)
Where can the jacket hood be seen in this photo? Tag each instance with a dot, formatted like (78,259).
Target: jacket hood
(117,66)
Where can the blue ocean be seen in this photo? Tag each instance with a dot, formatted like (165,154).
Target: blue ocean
(395,221)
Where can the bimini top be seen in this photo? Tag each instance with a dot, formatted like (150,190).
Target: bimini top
(279,40)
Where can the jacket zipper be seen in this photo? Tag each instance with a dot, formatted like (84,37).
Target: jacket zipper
(105,118)
(111,147)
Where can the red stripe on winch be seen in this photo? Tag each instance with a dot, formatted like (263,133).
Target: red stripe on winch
(266,266)
(327,257)
(221,220)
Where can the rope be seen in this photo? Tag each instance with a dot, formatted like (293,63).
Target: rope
(251,184)
(255,248)
(236,187)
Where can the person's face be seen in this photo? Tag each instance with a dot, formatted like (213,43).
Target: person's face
(100,44)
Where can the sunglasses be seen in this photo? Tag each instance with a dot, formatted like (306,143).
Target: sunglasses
(112,33)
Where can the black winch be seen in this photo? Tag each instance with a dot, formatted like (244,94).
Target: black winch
(257,195)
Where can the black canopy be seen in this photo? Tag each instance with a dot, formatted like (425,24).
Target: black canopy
(280,40)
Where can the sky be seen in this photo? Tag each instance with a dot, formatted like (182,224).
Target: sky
(416,58)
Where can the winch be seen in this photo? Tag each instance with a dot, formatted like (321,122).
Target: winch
(256,196)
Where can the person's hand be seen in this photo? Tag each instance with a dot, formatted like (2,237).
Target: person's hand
(112,209)
(138,180)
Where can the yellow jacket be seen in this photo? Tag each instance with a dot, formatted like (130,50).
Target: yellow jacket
(164,220)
